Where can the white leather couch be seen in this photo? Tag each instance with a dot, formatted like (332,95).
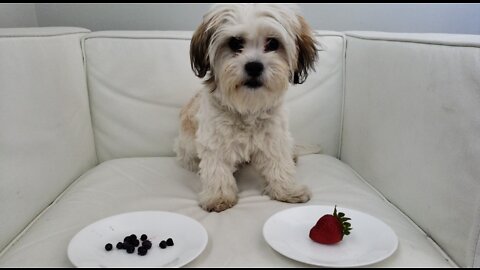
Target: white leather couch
(87,123)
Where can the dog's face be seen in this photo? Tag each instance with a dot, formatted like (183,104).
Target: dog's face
(250,53)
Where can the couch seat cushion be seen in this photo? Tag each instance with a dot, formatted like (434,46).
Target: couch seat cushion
(235,235)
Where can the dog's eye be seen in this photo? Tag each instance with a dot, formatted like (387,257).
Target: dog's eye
(236,44)
(272,45)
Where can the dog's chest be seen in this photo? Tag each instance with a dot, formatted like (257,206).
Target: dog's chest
(247,136)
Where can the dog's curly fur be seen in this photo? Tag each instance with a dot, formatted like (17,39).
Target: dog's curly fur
(239,115)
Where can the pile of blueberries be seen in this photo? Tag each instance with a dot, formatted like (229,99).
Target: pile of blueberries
(131,242)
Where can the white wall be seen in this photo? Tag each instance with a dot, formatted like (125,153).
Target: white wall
(122,16)
(433,18)
(17,15)
(439,18)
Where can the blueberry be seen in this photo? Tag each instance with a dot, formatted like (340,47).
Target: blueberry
(162,244)
(108,247)
(130,249)
(120,245)
(135,243)
(127,246)
(133,236)
(169,242)
(147,244)
(143,237)
(127,239)
(142,251)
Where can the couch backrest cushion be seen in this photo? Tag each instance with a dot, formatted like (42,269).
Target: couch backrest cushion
(138,82)
(46,138)
(412,128)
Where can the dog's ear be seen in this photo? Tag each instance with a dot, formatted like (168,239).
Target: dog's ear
(307,51)
(199,59)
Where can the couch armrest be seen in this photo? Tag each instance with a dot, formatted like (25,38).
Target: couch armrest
(412,128)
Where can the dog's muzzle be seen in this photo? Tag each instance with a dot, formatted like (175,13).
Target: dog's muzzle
(253,83)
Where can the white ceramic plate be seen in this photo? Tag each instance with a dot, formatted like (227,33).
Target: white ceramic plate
(370,239)
(87,247)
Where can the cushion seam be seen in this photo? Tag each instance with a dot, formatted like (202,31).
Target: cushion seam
(89,95)
(46,35)
(476,247)
(425,42)
(342,109)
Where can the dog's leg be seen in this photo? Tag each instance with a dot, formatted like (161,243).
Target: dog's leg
(276,165)
(186,152)
(219,188)
(184,145)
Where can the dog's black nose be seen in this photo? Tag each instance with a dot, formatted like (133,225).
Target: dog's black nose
(254,69)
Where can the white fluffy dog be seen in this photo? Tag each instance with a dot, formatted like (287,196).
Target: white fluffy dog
(249,55)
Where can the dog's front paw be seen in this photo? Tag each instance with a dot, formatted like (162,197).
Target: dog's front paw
(217,203)
(293,193)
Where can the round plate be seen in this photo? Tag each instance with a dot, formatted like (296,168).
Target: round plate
(370,239)
(87,247)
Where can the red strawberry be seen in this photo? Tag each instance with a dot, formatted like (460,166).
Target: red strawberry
(330,229)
